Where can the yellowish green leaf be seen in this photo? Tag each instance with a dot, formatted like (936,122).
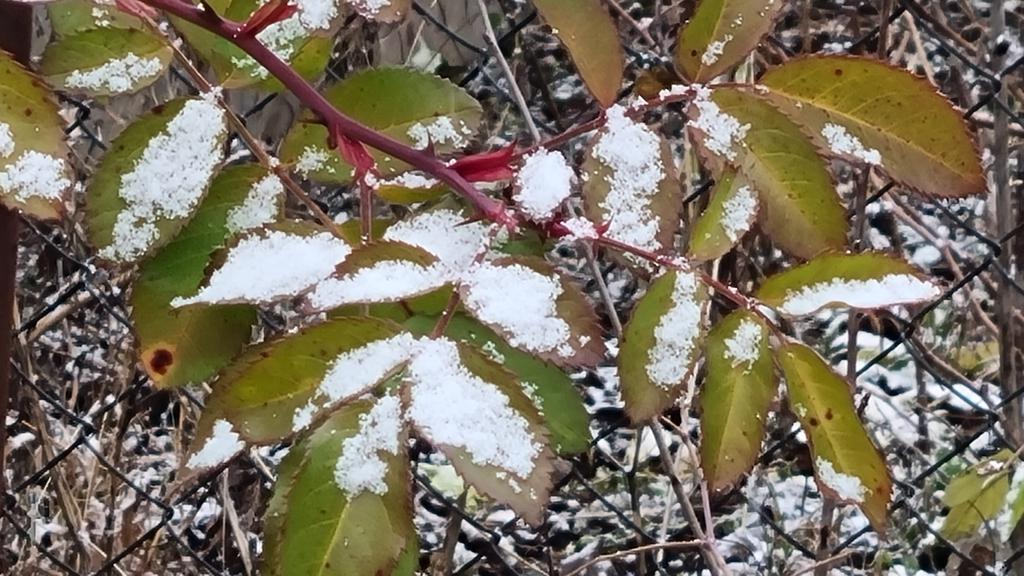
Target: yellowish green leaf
(69,17)
(977,496)
(721,33)
(738,390)
(866,110)
(105,61)
(730,213)
(847,465)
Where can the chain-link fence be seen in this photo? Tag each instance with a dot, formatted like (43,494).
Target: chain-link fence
(93,447)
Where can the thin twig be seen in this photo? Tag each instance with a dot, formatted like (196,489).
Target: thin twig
(495,50)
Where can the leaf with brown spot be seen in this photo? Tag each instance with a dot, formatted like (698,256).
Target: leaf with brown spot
(721,33)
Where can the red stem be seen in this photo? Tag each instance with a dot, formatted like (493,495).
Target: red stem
(490,208)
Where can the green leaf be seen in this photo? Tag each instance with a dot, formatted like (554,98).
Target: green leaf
(536,309)
(630,183)
(721,33)
(105,61)
(280,387)
(866,110)
(547,385)
(378,273)
(800,209)
(592,39)
(441,113)
(306,49)
(847,465)
(153,178)
(863,281)
(69,17)
(411,188)
(313,526)
(300,254)
(33,168)
(475,411)
(178,347)
(1013,510)
(976,496)
(738,390)
(660,345)
(730,214)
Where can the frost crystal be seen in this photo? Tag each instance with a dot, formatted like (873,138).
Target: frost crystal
(34,175)
(260,206)
(312,160)
(738,212)
(441,131)
(262,268)
(385,281)
(6,140)
(743,346)
(889,290)
(714,50)
(360,467)
(444,234)
(116,76)
(456,408)
(218,448)
(847,488)
(522,303)
(633,153)
(722,132)
(168,179)
(843,143)
(670,358)
(544,182)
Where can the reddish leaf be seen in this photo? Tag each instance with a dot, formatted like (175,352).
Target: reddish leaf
(487,166)
(272,12)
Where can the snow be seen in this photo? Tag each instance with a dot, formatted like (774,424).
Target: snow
(722,132)
(360,467)
(670,358)
(259,207)
(385,281)
(543,183)
(633,153)
(295,262)
(6,140)
(580,229)
(369,8)
(442,130)
(841,142)
(116,76)
(354,373)
(311,160)
(714,50)
(446,235)
(889,290)
(412,180)
(522,303)
(456,408)
(743,346)
(34,175)
(286,37)
(218,448)
(847,488)
(317,14)
(738,213)
(169,178)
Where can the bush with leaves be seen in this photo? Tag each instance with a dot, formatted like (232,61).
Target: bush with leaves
(435,315)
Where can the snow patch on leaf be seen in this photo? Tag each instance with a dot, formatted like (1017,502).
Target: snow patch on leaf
(441,131)
(360,467)
(522,303)
(260,206)
(842,143)
(446,235)
(262,268)
(889,290)
(312,160)
(454,407)
(412,180)
(34,175)
(738,213)
(847,488)
(1008,519)
(580,229)
(715,50)
(722,132)
(116,76)
(220,447)
(670,358)
(369,8)
(744,345)
(6,140)
(632,152)
(386,281)
(168,179)
(543,183)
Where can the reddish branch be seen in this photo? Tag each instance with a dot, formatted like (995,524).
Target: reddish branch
(336,121)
